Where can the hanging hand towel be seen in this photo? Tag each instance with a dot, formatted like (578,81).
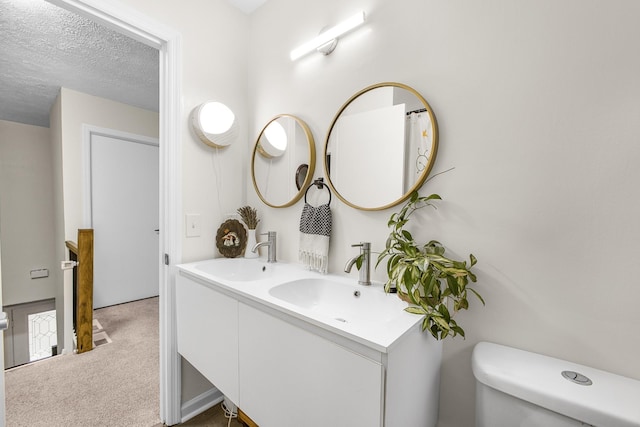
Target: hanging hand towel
(315,229)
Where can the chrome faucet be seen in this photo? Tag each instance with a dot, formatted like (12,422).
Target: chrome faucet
(364,270)
(270,243)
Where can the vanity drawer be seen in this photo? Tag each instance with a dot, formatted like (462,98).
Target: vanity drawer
(290,377)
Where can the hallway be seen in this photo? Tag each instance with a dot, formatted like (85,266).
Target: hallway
(115,384)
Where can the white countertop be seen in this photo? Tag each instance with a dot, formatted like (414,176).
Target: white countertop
(250,280)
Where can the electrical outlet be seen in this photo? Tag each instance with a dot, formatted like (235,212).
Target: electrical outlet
(193,225)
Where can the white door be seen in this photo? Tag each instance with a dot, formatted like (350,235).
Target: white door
(124,216)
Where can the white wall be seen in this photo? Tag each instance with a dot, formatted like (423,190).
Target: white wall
(26,212)
(214,67)
(537,104)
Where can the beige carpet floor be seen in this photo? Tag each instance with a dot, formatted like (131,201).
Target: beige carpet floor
(115,385)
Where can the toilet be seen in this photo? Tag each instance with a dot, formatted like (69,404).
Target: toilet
(524,389)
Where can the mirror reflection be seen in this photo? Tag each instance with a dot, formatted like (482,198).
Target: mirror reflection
(381,146)
(283,161)
(273,142)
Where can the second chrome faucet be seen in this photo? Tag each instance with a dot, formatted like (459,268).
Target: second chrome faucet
(364,277)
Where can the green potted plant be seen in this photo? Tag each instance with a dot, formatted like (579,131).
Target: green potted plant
(434,285)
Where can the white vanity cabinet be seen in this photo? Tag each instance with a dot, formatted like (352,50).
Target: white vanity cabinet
(207,327)
(290,377)
(285,368)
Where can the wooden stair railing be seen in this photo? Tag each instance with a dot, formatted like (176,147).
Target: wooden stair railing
(82,253)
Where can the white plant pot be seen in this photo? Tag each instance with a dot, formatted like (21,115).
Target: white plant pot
(251,242)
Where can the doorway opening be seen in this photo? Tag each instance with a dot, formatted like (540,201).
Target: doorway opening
(132,23)
(32,332)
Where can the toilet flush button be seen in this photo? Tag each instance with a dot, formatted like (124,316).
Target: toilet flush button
(577,378)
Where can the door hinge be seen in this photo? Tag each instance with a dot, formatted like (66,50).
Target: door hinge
(166,259)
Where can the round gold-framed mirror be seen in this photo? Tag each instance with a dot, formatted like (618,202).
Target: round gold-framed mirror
(381,146)
(283,161)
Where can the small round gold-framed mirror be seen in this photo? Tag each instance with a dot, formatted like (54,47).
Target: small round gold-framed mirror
(381,146)
(283,161)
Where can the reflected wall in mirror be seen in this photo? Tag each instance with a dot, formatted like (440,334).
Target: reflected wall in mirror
(381,146)
(283,161)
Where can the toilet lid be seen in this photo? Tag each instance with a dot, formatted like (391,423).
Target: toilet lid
(609,400)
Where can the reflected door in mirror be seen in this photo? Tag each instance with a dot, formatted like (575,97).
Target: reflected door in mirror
(381,146)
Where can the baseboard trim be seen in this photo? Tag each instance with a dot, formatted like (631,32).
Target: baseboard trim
(200,403)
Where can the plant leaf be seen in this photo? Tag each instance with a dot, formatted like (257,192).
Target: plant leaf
(415,310)
(359,261)
(472,277)
(461,304)
(442,309)
(453,285)
(478,295)
(458,330)
(432,283)
(442,324)
(473,260)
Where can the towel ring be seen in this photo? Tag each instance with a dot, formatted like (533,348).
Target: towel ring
(318,182)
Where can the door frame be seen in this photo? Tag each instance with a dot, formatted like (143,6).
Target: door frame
(130,22)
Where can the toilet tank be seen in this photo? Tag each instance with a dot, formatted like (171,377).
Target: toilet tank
(520,388)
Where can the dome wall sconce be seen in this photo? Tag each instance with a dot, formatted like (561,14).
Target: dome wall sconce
(214,123)
(327,40)
(274,141)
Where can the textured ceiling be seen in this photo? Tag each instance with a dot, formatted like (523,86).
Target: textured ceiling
(43,48)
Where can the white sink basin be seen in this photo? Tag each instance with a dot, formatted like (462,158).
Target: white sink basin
(363,314)
(341,301)
(238,269)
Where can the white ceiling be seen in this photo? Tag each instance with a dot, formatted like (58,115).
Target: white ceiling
(247,6)
(44,47)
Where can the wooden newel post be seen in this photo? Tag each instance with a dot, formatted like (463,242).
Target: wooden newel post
(84,302)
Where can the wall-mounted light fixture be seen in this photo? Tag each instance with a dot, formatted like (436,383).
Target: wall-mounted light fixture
(326,41)
(274,140)
(214,123)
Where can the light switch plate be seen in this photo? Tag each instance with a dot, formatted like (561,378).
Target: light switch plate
(193,225)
